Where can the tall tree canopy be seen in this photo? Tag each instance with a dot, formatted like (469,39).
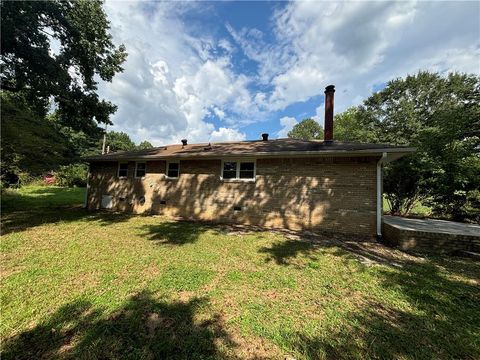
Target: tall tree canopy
(144,145)
(307,129)
(53,53)
(440,116)
(119,141)
(347,127)
(56,50)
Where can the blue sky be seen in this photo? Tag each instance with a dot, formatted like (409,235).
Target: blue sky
(219,71)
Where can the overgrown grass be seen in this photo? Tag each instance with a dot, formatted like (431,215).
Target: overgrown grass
(78,284)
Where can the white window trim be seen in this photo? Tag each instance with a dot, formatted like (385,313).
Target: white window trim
(237,177)
(118,170)
(136,167)
(166,170)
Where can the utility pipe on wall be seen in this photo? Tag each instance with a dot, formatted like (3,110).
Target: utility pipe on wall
(85,202)
(380,193)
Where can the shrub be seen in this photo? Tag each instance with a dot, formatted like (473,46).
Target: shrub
(72,175)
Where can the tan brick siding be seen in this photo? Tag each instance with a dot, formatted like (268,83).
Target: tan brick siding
(322,194)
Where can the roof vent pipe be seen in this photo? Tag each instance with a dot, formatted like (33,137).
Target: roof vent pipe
(265,137)
(328,132)
(184,142)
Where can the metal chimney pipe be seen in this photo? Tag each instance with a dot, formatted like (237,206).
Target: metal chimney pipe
(328,132)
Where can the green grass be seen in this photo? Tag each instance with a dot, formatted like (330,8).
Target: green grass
(93,285)
(418,210)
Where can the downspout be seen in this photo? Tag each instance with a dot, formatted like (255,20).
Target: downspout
(85,202)
(380,194)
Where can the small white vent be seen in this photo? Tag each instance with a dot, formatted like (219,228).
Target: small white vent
(106,202)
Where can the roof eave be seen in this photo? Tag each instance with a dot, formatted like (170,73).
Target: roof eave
(394,153)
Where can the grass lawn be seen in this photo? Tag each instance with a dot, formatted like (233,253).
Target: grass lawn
(94,285)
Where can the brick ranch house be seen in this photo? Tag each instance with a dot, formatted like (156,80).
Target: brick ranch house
(326,186)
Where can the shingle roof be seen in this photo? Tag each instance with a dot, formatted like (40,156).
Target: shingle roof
(275,147)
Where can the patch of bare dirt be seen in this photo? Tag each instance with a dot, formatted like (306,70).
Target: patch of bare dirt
(255,348)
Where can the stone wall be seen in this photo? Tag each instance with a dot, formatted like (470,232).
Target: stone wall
(429,242)
(329,194)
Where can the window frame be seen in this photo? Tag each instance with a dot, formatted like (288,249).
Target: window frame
(118,170)
(167,166)
(136,169)
(237,170)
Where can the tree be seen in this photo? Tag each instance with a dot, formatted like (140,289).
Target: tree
(119,141)
(307,129)
(438,115)
(32,145)
(144,145)
(348,127)
(66,73)
(29,144)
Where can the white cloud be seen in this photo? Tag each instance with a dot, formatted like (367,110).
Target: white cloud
(219,112)
(226,134)
(172,81)
(355,45)
(287,124)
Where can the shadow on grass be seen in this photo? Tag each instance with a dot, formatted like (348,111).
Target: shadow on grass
(441,321)
(16,221)
(433,311)
(143,328)
(283,251)
(175,233)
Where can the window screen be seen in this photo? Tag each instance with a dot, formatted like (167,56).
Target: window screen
(141,170)
(247,170)
(238,170)
(123,170)
(173,170)
(229,170)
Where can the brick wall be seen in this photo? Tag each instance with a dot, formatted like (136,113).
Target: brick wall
(323,194)
(428,242)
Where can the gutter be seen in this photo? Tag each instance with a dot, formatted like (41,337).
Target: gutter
(340,153)
(380,163)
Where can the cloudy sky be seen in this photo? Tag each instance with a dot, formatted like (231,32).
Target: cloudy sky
(214,71)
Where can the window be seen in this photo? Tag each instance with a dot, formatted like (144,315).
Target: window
(229,170)
(173,169)
(247,170)
(122,169)
(140,170)
(238,170)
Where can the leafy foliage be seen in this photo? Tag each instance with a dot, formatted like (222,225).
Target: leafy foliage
(307,129)
(439,116)
(144,145)
(53,54)
(57,49)
(72,175)
(119,141)
(347,127)
(29,143)
(32,145)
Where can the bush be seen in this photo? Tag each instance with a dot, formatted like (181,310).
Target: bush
(72,175)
